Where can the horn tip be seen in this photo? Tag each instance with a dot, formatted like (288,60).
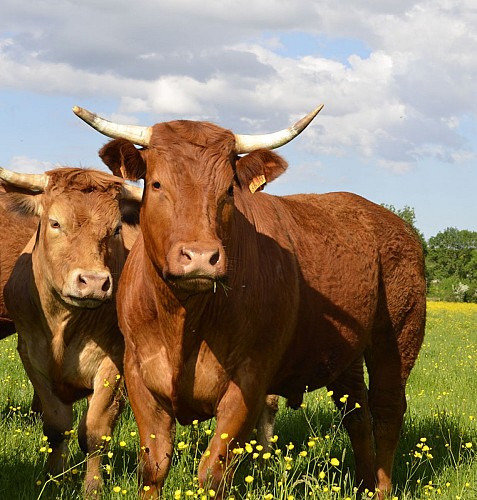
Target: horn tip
(316,110)
(78,111)
(301,124)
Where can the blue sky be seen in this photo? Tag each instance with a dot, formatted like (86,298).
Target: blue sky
(398,80)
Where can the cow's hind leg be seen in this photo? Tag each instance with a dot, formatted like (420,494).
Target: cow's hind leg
(350,396)
(388,404)
(97,424)
(266,422)
(389,360)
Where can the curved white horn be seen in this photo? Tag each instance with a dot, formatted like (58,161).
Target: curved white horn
(132,192)
(135,133)
(249,143)
(33,182)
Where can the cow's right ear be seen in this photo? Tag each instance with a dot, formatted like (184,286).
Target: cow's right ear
(123,159)
(21,201)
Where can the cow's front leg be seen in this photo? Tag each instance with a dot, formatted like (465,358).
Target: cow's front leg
(104,407)
(156,433)
(57,419)
(236,419)
(57,416)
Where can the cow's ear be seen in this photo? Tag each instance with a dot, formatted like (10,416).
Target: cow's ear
(259,167)
(123,159)
(22,201)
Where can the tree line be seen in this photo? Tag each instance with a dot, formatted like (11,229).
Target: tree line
(451,260)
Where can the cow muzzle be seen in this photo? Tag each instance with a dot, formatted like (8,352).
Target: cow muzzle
(86,288)
(195,266)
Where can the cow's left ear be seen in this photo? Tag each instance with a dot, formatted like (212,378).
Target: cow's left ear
(259,167)
(123,159)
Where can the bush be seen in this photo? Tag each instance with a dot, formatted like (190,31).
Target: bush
(453,289)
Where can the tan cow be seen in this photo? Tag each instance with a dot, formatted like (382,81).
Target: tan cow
(61,297)
(230,294)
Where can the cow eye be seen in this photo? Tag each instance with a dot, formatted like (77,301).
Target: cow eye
(118,229)
(156,185)
(54,224)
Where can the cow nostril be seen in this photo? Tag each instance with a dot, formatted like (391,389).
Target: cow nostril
(215,258)
(186,253)
(106,285)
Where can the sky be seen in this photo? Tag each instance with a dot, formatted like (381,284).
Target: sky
(398,80)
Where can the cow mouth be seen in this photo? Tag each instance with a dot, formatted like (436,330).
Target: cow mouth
(194,284)
(83,302)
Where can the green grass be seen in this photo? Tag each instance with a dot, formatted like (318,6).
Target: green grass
(436,457)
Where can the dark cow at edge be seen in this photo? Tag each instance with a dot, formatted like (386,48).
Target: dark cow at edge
(61,297)
(15,232)
(231,294)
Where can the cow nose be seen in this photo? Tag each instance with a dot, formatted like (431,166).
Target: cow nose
(201,258)
(196,258)
(92,284)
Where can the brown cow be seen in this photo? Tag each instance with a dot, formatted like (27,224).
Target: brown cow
(61,297)
(15,232)
(231,294)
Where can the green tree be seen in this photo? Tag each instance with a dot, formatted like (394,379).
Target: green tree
(453,253)
(451,265)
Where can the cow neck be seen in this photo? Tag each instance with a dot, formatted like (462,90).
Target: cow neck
(183,310)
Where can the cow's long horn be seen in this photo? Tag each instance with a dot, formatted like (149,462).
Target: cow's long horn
(32,182)
(136,134)
(249,143)
(132,192)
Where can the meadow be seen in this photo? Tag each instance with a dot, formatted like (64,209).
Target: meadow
(310,456)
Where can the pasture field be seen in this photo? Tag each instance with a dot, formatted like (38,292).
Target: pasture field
(310,457)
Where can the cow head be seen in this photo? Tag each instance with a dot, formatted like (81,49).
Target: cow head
(79,250)
(191,172)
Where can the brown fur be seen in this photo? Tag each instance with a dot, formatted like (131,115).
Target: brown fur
(15,231)
(226,298)
(61,296)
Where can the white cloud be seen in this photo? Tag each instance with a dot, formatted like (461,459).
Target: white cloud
(225,61)
(24,164)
